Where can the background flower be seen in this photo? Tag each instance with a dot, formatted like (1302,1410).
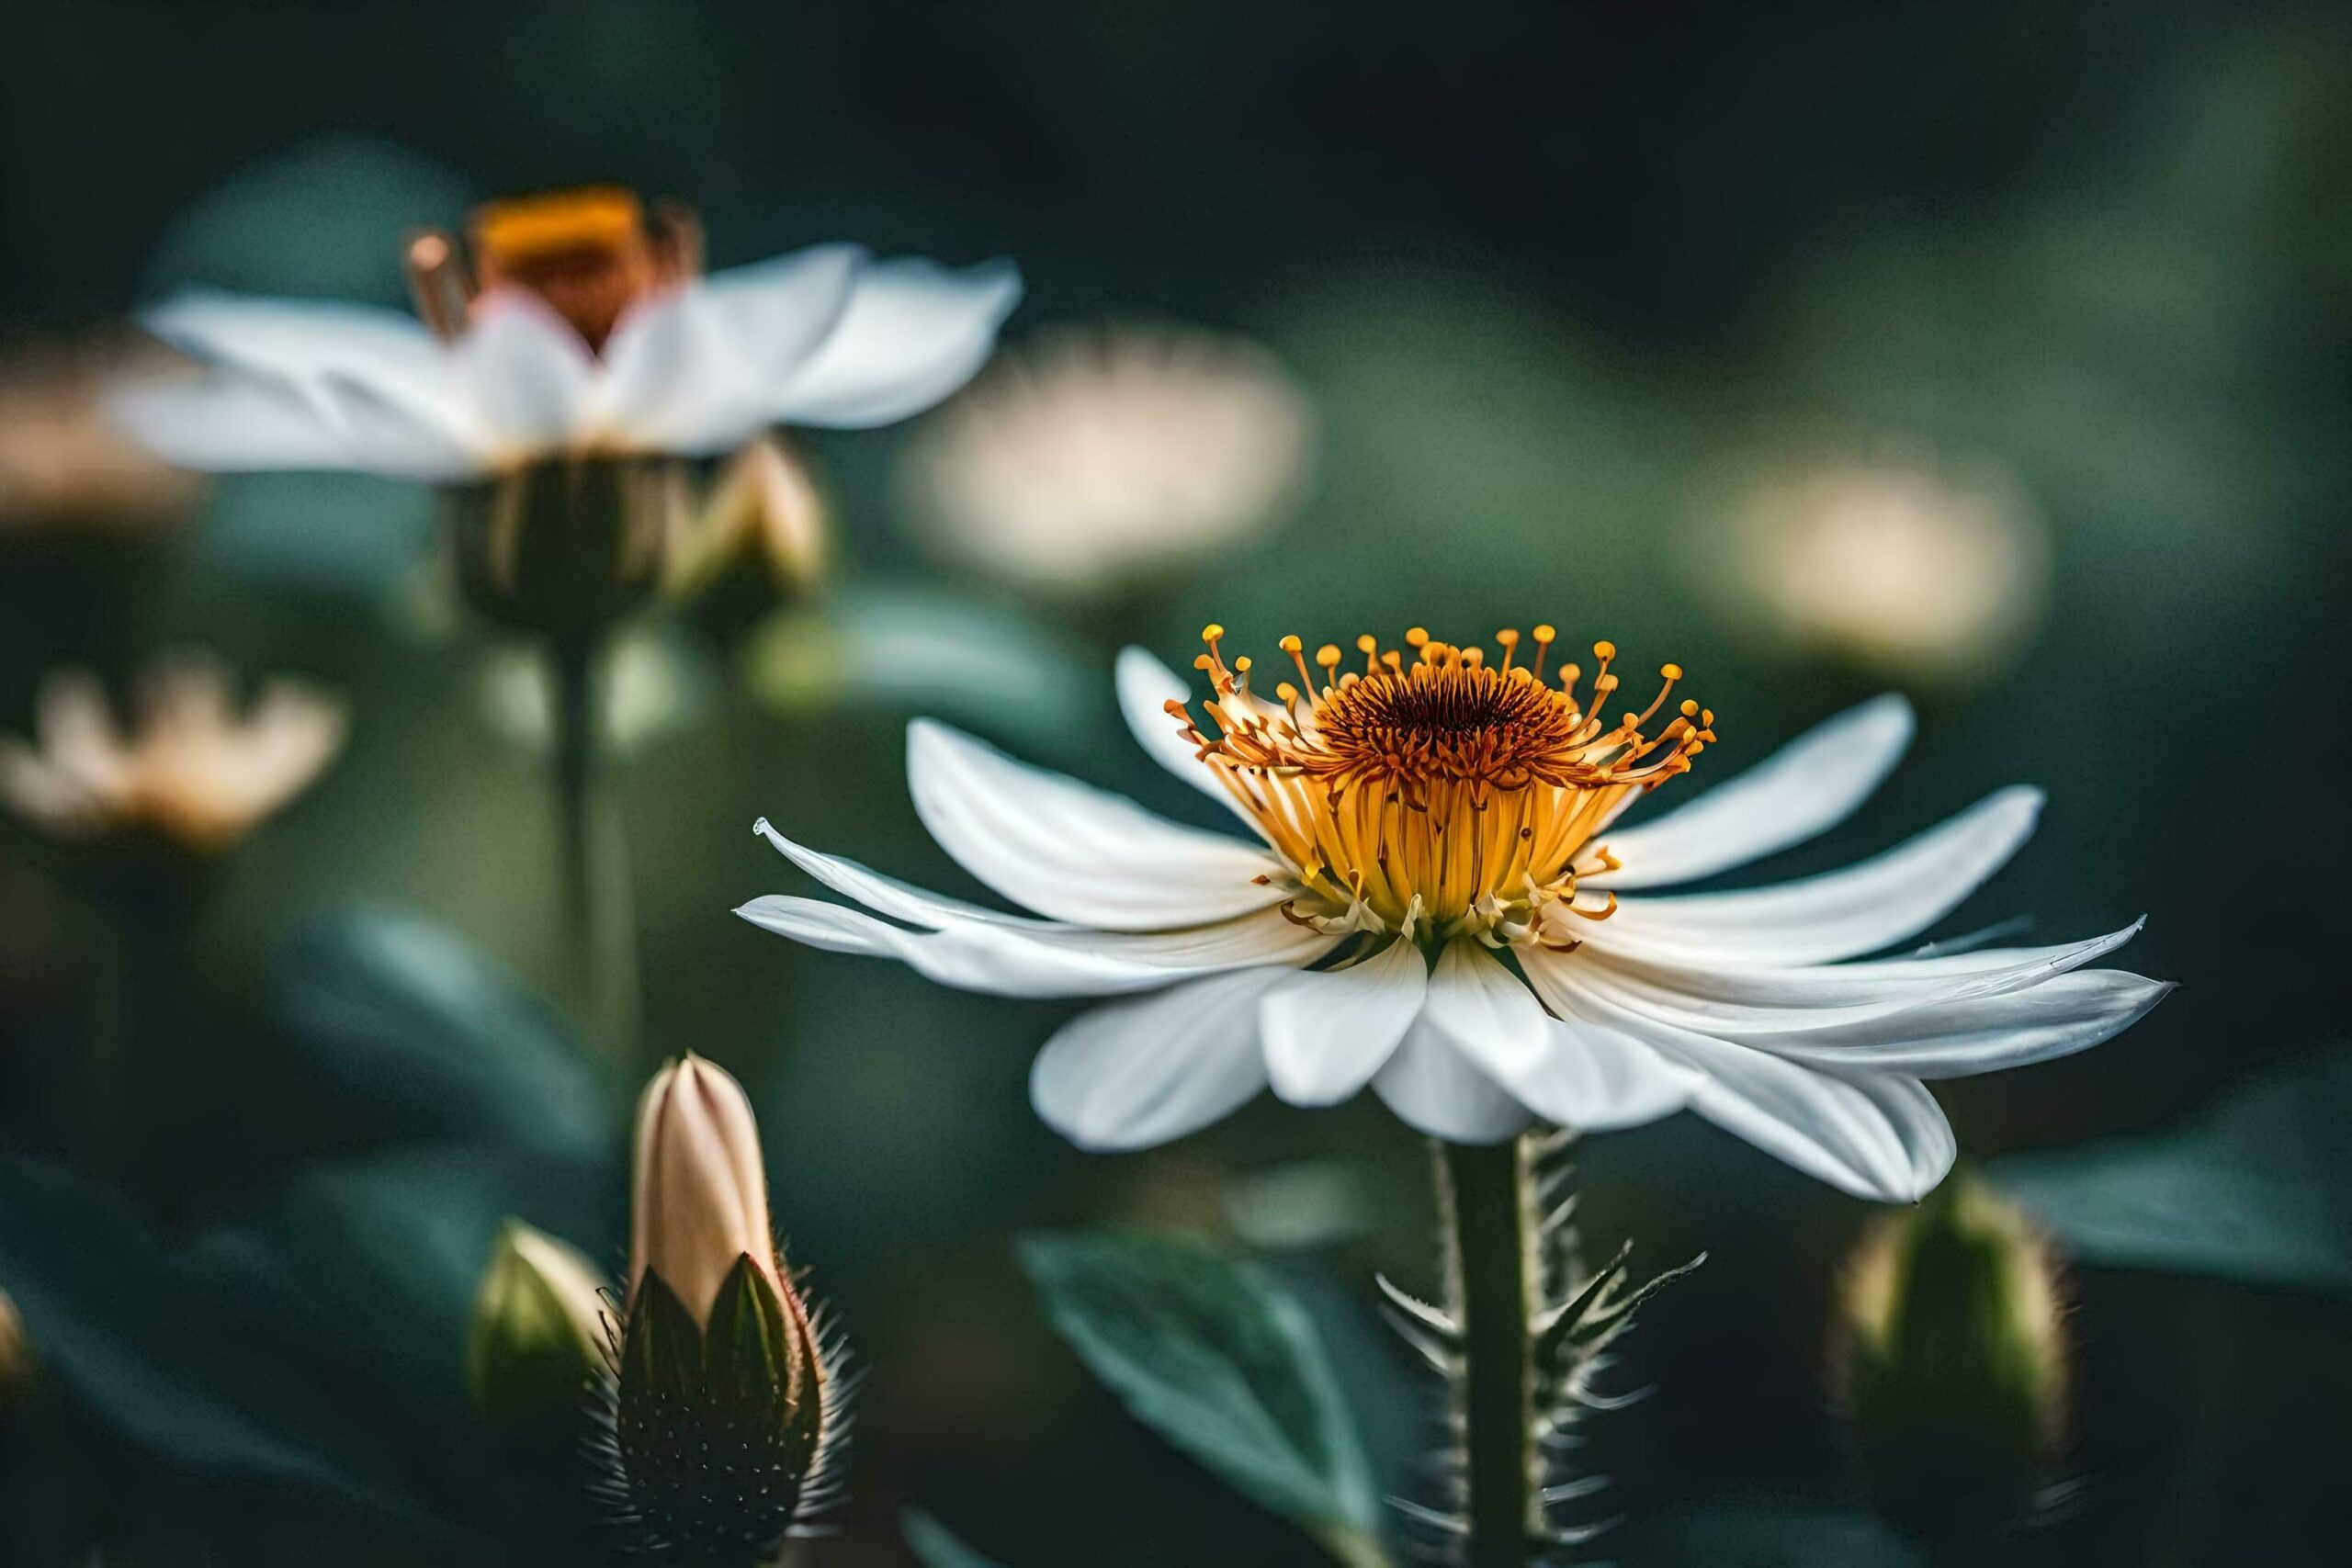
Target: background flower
(1093,460)
(1900,565)
(192,768)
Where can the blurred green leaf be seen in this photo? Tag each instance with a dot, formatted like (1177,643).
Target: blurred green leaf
(2255,1189)
(420,1036)
(1209,1351)
(113,1317)
(934,1545)
(1767,1535)
(927,650)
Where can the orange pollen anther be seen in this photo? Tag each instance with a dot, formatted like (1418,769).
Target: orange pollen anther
(589,254)
(1438,793)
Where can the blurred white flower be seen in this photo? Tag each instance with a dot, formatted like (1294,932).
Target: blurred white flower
(1429,907)
(64,464)
(1099,457)
(194,770)
(1903,567)
(591,331)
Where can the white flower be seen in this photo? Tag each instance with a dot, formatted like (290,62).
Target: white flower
(1430,905)
(194,769)
(1101,458)
(1901,566)
(593,332)
(63,465)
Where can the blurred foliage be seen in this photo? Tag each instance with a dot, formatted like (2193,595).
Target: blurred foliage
(1541,269)
(2255,1189)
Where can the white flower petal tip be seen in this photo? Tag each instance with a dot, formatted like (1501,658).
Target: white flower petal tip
(912,333)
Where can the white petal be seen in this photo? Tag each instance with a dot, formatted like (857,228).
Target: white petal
(1140,1073)
(528,375)
(1487,1013)
(1875,1135)
(999,964)
(229,421)
(2058,1018)
(1327,1034)
(913,332)
(1577,1074)
(1434,1088)
(1145,688)
(1805,788)
(300,341)
(1598,1079)
(1821,919)
(699,369)
(1727,992)
(1748,1003)
(1071,851)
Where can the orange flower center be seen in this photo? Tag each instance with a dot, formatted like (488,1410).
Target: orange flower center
(589,254)
(1439,794)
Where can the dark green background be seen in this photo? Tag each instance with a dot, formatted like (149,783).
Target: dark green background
(1541,267)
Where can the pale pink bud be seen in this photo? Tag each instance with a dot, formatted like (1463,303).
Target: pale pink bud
(701,1189)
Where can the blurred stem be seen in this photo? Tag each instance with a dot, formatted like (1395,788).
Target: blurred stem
(1494,1281)
(596,859)
(133,1059)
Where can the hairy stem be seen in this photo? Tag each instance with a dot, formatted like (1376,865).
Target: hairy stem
(1495,1281)
(596,859)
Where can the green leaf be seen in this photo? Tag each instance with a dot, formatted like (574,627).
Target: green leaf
(413,1033)
(1765,1535)
(936,1546)
(2255,1189)
(114,1317)
(920,650)
(1213,1353)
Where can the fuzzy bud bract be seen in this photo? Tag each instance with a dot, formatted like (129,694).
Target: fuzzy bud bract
(1951,1360)
(537,1340)
(725,1407)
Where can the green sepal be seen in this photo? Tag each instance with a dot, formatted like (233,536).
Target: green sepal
(718,1429)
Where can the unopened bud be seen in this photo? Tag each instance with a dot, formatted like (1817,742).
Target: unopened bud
(564,546)
(537,1343)
(766,501)
(725,1407)
(1953,1359)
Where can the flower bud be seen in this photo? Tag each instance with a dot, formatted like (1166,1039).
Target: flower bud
(537,1343)
(1952,1363)
(725,1404)
(564,546)
(764,502)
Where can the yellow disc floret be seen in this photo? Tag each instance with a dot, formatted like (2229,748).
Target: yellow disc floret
(1437,791)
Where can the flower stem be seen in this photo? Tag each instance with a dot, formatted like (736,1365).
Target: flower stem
(596,859)
(1495,1282)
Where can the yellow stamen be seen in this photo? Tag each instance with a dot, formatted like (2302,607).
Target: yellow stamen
(1444,792)
(588,253)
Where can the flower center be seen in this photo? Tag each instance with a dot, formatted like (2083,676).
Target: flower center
(589,254)
(1439,794)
